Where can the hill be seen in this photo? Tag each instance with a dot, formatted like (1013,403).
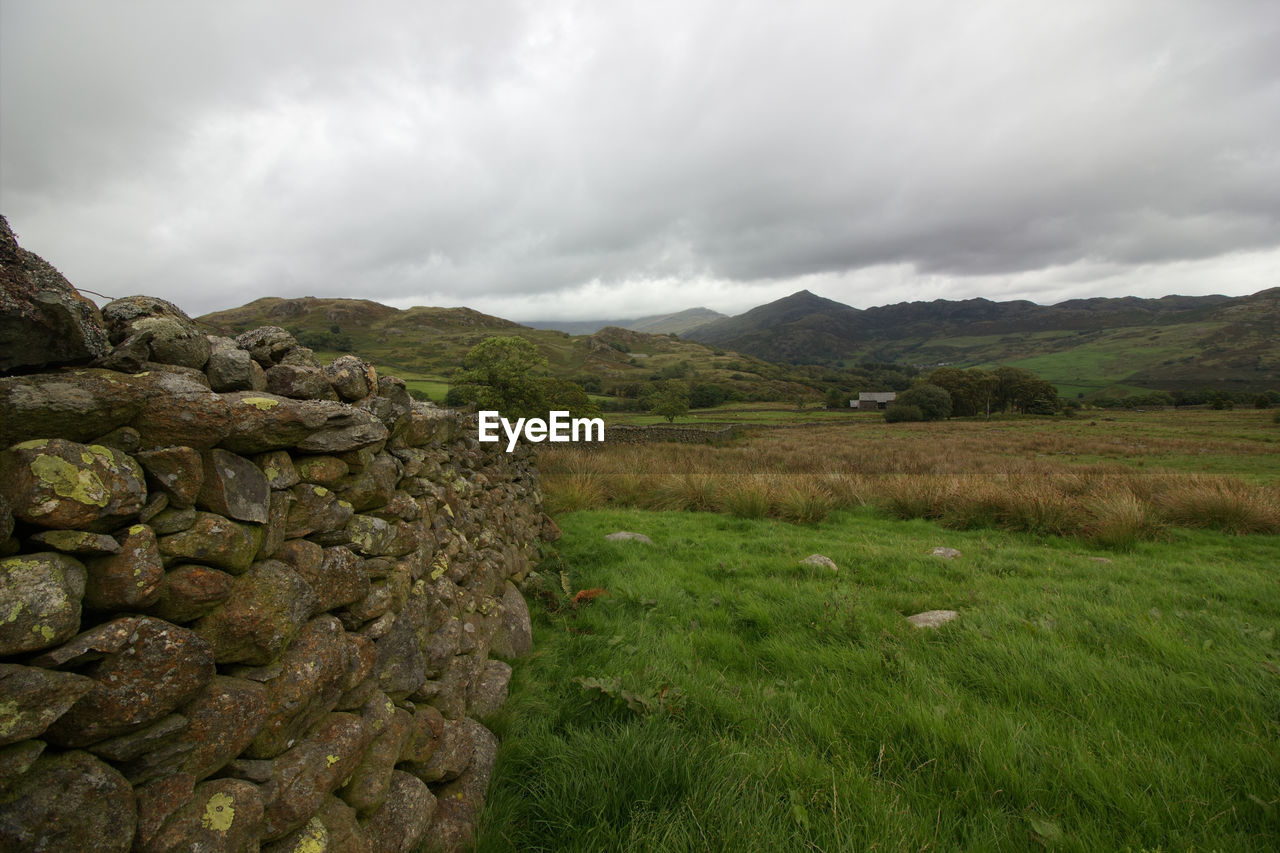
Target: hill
(426,343)
(656,324)
(1084,345)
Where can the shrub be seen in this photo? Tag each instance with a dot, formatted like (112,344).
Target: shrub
(1120,521)
(897,413)
(933,402)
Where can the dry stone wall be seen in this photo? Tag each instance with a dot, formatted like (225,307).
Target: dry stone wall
(248,601)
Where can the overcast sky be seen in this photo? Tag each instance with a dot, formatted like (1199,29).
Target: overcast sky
(609,159)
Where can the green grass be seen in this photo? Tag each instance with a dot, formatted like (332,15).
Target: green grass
(743,702)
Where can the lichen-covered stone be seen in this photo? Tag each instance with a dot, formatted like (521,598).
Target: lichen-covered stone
(263,421)
(189,591)
(352,377)
(77,405)
(62,484)
(173,520)
(336,573)
(345,832)
(513,636)
(458,803)
(277,526)
(15,760)
(222,814)
(311,837)
(267,345)
(426,734)
(79,542)
(215,541)
(181,410)
(279,469)
(234,487)
(301,382)
(400,824)
(223,719)
(489,693)
(178,471)
(268,606)
(156,667)
(229,368)
(130,580)
(310,679)
(322,470)
(302,777)
(370,782)
(401,665)
(32,698)
(39,601)
(70,801)
(374,486)
(316,509)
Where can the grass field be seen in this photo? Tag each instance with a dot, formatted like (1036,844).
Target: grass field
(712,694)
(1112,681)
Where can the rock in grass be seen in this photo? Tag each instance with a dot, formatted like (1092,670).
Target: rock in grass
(945,553)
(933,618)
(818,561)
(623,536)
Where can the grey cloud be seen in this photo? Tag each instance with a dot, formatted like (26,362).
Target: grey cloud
(504,151)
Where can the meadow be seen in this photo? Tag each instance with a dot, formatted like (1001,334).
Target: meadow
(1112,681)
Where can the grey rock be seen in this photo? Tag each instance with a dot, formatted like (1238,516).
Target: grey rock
(932,618)
(32,698)
(625,536)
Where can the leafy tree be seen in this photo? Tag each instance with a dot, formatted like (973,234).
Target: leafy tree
(509,375)
(836,399)
(671,401)
(933,402)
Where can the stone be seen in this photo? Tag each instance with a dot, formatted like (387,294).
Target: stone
(352,377)
(513,635)
(181,410)
(65,802)
(401,665)
(267,345)
(222,814)
(372,487)
(62,484)
(215,541)
(370,782)
(32,698)
(223,719)
(229,368)
(15,760)
(44,321)
(625,536)
(302,777)
(148,739)
(234,487)
(400,824)
(426,734)
(40,600)
(453,755)
(818,561)
(173,520)
(277,527)
(312,837)
(178,471)
(77,405)
(371,536)
(173,341)
(932,618)
(391,403)
(459,802)
(312,675)
(79,542)
(945,553)
(157,503)
(189,591)
(489,693)
(300,382)
(151,672)
(126,439)
(263,422)
(279,469)
(267,608)
(345,832)
(322,470)
(336,574)
(130,580)
(316,510)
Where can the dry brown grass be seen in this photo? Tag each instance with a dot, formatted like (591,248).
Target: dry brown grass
(1017,475)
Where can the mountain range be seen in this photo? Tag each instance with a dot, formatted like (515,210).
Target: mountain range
(654,324)
(1082,345)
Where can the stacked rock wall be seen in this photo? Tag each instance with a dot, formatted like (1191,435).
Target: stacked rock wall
(248,602)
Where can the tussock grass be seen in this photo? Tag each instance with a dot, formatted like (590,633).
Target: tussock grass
(1066,478)
(1074,705)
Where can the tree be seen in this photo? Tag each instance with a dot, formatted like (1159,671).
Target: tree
(897,412)
(933,402)
(836,399)
(507,374)
(671,401)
